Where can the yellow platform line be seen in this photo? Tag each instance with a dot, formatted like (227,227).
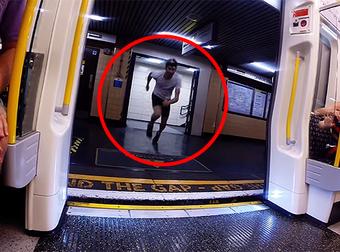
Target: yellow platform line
(162,182)
(138,207)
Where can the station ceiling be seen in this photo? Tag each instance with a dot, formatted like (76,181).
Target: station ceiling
(247,30)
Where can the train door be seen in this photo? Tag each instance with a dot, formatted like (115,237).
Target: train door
(37,159)
(298,180)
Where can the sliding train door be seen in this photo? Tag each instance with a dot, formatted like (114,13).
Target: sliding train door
(301,177)
(47,193)
(292,103)
(48,58)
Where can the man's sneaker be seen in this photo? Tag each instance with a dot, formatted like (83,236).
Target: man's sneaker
(149,129)
(155,139)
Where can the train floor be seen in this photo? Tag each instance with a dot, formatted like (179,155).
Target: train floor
(230,166)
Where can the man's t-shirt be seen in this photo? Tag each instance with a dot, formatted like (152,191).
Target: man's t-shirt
(164,87)
(11,12)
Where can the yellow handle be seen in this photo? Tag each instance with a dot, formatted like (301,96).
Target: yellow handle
(337,155)
(19,58)
(292,99)
(74,56)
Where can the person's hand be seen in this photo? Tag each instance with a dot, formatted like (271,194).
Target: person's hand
(166,103)
(323,111)
(328,121)
(3,126)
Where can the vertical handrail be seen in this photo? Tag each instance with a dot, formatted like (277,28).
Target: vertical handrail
(337,154)
(73,60)
(292,99)
(18,62)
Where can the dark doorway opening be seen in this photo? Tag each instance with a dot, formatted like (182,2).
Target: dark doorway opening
(86,83)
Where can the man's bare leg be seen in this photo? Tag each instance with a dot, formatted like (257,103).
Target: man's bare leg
(161,128)
(157,111)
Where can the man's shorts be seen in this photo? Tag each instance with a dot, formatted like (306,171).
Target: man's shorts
(156,101)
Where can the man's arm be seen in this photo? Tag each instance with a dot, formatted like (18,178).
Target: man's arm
(173,100)
(176,98)
(328,110)
(6,64)
(9,30)
(148,82)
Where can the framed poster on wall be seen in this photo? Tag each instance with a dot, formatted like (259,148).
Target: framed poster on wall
(240,98)
(259,103)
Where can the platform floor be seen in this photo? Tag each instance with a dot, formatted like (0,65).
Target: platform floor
(232,168)
(229,158)
(261,230)
(238,227)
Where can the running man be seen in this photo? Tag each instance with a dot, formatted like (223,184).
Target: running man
(166,82)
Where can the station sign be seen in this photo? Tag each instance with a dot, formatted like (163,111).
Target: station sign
(201,37)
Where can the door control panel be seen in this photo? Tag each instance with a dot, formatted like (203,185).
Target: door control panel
(300,20)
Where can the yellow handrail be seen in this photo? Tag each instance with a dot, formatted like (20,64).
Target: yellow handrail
(337,155)
(292,98)
(73,60)
(19,58)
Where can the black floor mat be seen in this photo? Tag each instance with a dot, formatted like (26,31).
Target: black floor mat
(265,230)
(116,159)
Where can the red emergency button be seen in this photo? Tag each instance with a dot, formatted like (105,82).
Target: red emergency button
(303,23)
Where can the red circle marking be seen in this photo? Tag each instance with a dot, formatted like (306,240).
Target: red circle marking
(118,54)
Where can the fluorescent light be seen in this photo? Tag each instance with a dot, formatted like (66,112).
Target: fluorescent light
(329,31)
(275,3)
(155,60)
(179,35)
(260,65)
(210,46)
(192,69)
(197,42)
(167,33)
(97,18)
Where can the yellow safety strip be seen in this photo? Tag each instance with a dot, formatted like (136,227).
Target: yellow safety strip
(163,182)
(139,207)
